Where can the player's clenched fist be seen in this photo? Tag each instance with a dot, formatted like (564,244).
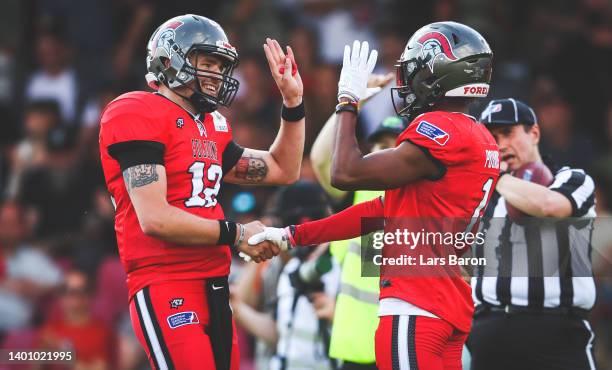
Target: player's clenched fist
(260,252)
(285,73)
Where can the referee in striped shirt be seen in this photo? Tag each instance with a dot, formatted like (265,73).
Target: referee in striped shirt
(533,296)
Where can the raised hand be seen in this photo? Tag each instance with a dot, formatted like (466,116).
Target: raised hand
(357,65)
(260,252)
(285,73)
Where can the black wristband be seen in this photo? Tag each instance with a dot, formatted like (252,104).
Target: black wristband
(347,107)
(227,233)
(293,114)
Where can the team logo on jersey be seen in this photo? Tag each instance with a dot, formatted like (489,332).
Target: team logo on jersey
(180,122)
(434,44)
(219,121)
(433,132)
(182,318)
(176,302)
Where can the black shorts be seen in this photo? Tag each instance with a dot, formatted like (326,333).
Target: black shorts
(531,342)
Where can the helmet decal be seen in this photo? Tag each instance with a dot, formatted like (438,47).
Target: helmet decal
(226,45)
(433,44)
(165,38)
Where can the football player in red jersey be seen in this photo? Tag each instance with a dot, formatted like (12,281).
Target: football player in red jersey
(444,165)
(165,155)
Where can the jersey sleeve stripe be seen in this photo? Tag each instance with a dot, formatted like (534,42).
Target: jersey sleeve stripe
(566,183)
(560,178)
(584,192)
(587,207)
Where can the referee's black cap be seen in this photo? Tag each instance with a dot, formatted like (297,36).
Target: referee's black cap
(501,112)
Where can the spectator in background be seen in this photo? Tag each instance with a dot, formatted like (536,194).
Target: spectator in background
(288,315)
(40,118)
(104,43)
(76,329)
(46,158)
(336,23)
(56,78)
(253,299)
(28,273)
(305,311)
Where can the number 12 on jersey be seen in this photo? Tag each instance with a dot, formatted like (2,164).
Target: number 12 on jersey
(213,174)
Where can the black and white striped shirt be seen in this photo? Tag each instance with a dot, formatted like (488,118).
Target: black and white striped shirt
(542,262)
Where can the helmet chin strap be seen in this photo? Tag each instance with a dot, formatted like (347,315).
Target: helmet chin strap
(199,100)
(202,103)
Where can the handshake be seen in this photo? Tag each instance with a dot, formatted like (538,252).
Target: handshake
(263,243)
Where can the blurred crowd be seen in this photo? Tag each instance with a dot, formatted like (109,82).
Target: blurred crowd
(61,61)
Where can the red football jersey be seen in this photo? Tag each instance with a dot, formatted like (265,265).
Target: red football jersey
(470,155)
(193,162)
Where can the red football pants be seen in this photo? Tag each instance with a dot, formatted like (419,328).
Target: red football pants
(418,342)
(171,321)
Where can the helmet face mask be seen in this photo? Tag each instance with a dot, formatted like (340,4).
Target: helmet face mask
(168,60)
(444,59)
(191,77)
(403,97)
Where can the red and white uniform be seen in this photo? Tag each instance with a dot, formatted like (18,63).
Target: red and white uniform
(193,162)
(426,311)
(159,271)
(412,306)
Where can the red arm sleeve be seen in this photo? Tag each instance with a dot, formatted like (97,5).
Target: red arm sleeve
(343,225)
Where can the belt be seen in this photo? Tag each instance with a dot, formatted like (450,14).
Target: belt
(511,310)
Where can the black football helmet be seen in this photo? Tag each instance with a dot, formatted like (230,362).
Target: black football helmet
(168,52)
(443,59)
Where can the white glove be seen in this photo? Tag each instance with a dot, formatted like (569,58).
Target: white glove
(281,237)
(356,69)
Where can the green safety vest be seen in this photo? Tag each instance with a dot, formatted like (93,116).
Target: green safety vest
(356,314)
